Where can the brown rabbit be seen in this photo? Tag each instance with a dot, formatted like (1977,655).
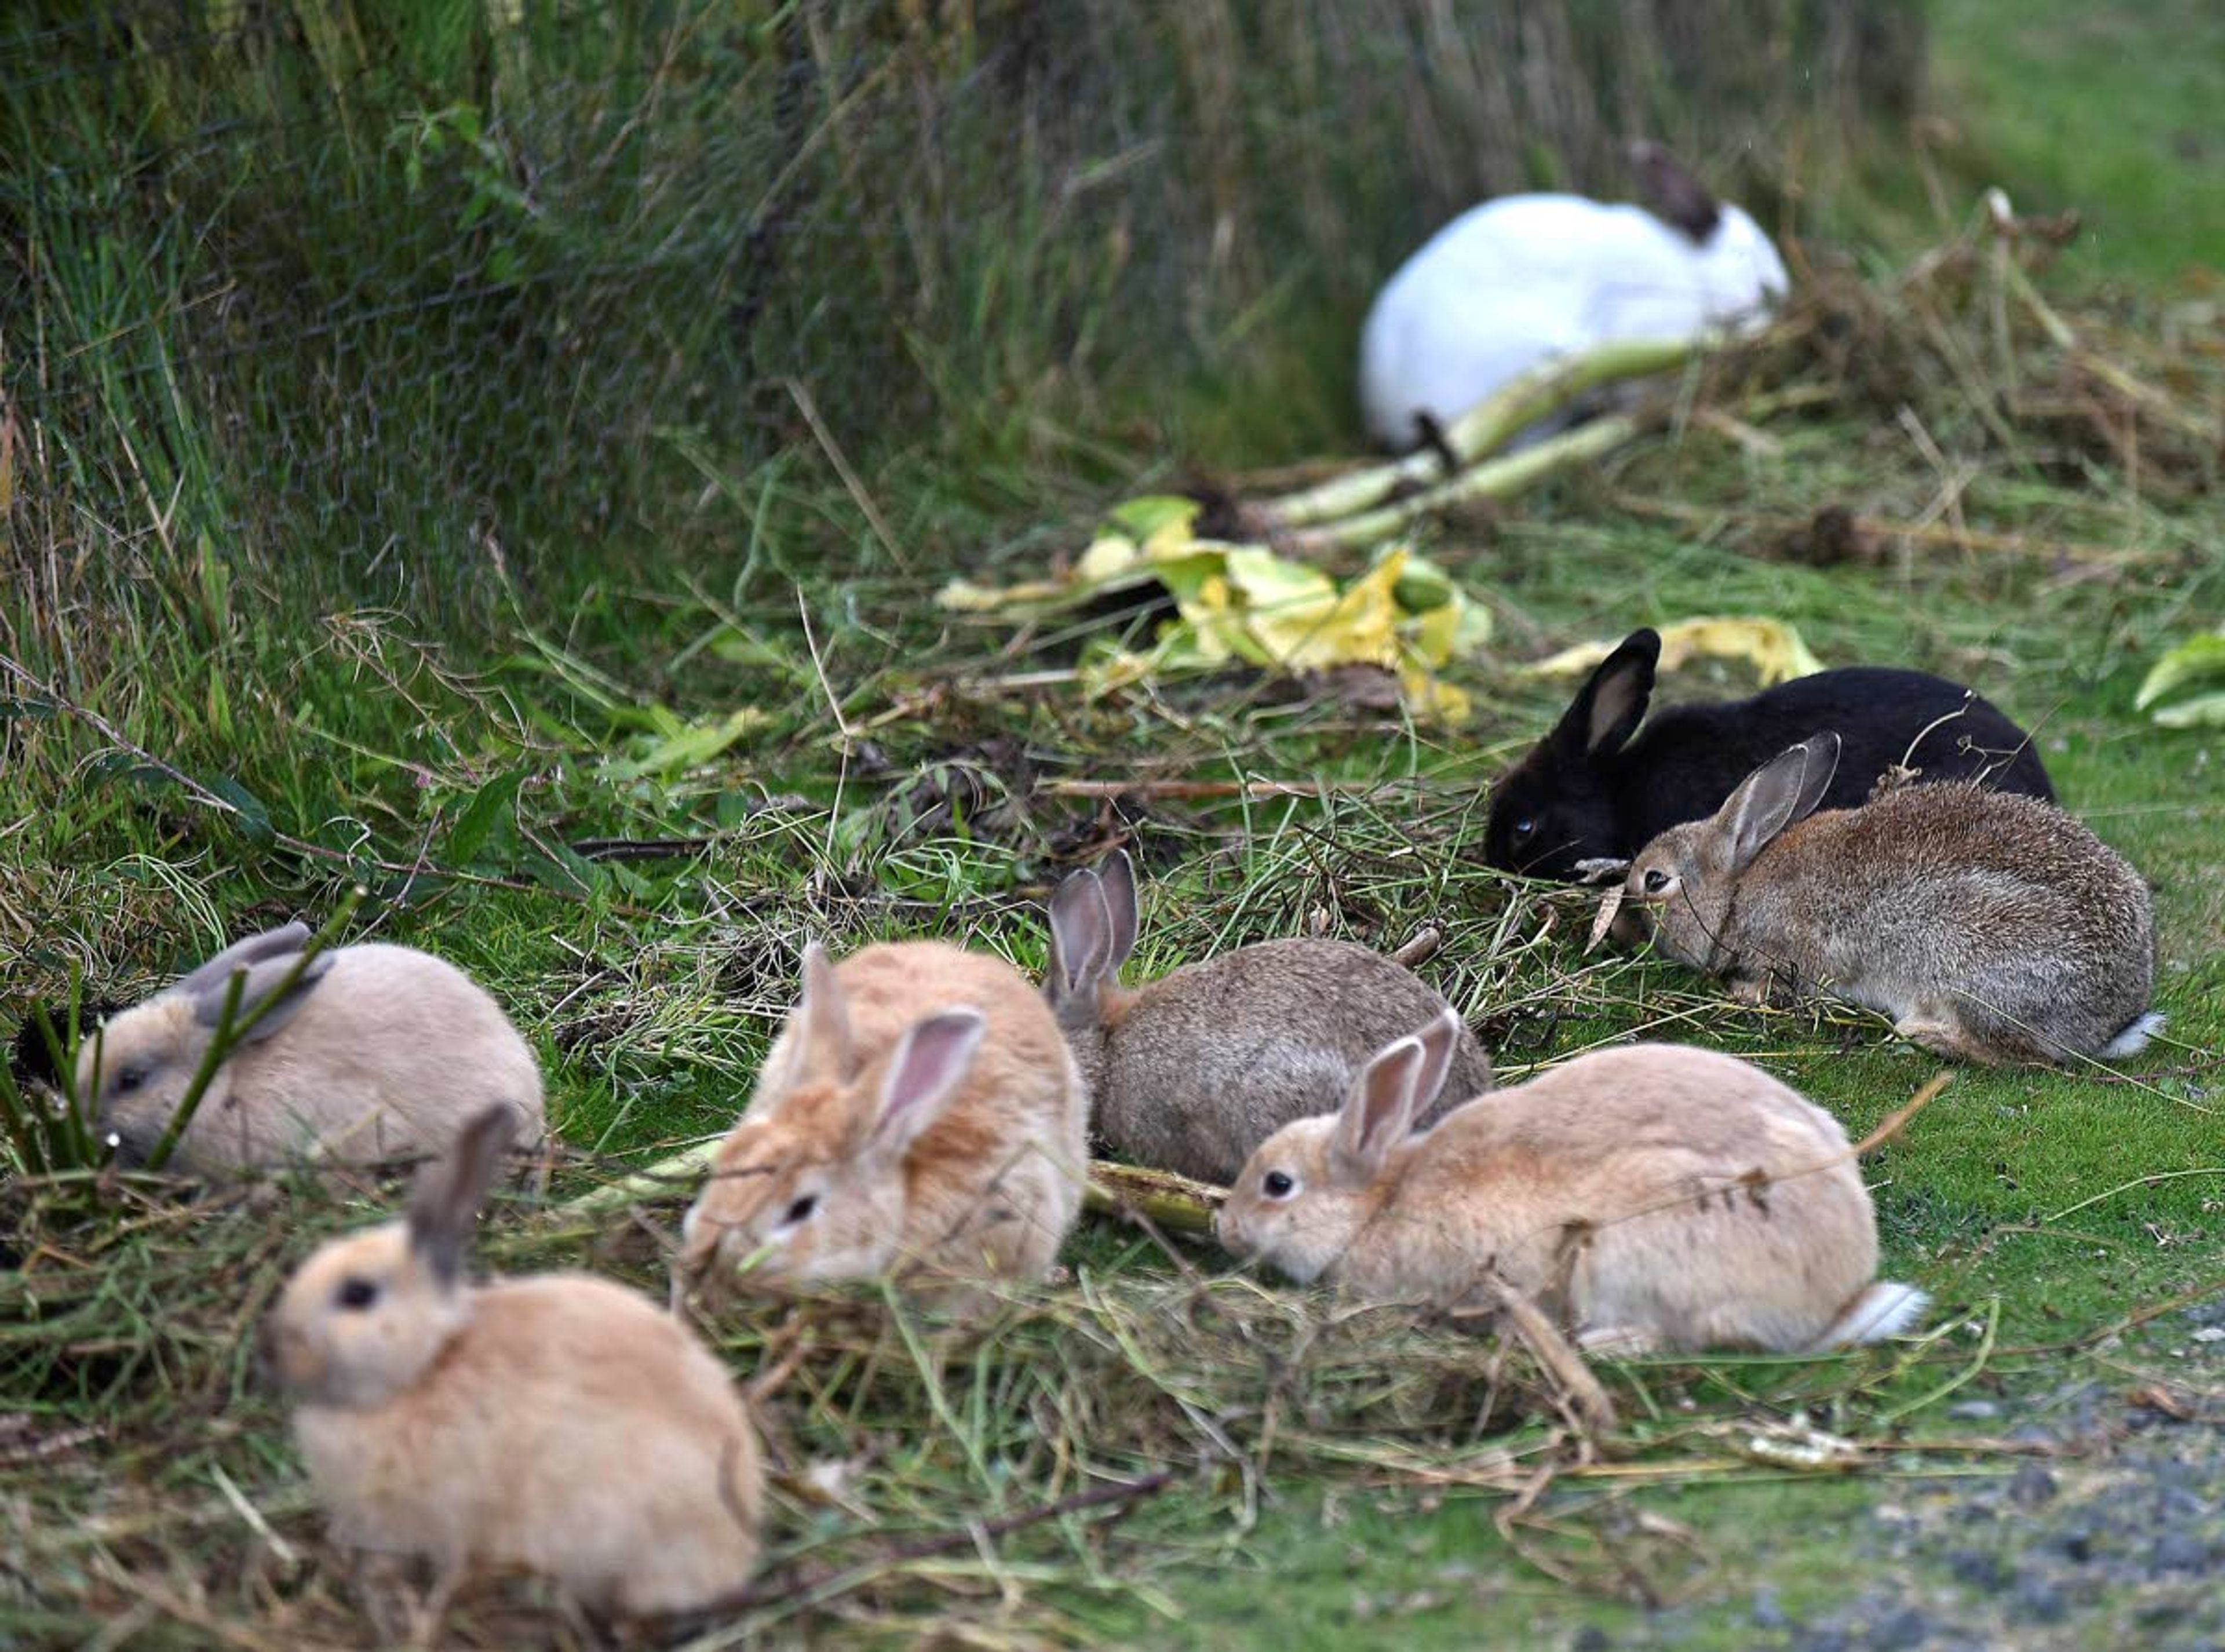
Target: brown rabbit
(1656,1196)
(1991,927)
(918,1116)
(559,1423)
(1191,1072)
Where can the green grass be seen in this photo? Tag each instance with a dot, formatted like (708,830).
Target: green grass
(246,723)
(2111,110)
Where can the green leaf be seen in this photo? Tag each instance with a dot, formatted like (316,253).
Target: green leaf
(254,819)
(688,745)
(486,810)
(2193,662)
(2202,711)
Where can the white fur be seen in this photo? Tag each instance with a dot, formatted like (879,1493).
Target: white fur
(1888,1308)
(2134,1038)
(388,1053)
(1518,279)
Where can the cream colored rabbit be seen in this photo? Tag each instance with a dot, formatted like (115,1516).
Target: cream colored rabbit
(1656,1196)
(370,1051)
(558,1422)
(918,1116)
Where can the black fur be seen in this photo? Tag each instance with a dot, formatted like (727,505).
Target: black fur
(1588,790)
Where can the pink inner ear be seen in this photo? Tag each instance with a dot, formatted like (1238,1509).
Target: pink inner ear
(927,1070)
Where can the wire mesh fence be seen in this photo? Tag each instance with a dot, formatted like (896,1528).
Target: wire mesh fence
(339,284)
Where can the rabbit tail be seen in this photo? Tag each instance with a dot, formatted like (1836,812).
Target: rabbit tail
(2133,1037)
(1886,1309)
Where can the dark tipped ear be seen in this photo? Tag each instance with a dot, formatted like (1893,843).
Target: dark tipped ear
(822,1019)
(1608,708)
(271,943)
(1438,1041)
(1672,194)
(929,1063)
(1081,935)
(1784,789)
(1117,877)
(445,1203)
(1377,1113)
(264,978)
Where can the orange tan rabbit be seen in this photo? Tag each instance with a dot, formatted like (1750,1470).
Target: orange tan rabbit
(917,1117)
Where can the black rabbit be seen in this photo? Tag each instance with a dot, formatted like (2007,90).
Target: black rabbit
(1589,791)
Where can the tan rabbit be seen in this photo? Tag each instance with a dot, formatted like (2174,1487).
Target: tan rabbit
(1990,925)
(1654,1196)
(372,1051)
(1191,1072)
(917,1117)
(558,1423)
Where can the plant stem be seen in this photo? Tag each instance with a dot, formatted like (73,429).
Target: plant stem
(1515,406)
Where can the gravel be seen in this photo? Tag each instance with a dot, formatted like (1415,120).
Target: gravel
(2115,1540)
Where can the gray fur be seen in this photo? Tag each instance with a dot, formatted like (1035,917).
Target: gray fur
(444,1206)
(264,977)
(1192,1071)
(1991,926)
(271,943)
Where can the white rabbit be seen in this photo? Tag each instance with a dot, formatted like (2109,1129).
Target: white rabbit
(372,1051)
(1517,281)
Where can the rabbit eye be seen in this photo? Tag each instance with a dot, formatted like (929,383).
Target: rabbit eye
(1656,881)
(130,1079)
(801,1211)
(356,1294)
(1279,1184)
(1525,828)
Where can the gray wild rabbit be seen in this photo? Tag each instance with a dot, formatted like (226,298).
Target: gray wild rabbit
(1189,1072)
(1991,927)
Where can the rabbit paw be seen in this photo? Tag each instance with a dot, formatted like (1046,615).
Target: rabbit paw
(1619,1341)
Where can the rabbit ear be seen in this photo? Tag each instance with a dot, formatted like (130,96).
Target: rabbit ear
(264,978)
(1117,879)
(1609,707)
(449,1190)
(1438,1041)
(1080,937)
(1673,194)
(1378,1110)
(271,943)
(930,1061)
(1784,790)
(822,1019)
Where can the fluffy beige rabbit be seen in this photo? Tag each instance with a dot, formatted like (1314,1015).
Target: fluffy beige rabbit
(372,1052)
(1191,1072)
(918,1116)
(1656,1196)
(557,1423)
(1992,927)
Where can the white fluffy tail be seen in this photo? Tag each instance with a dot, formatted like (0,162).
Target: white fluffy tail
(2133,1037)
(1886,1309)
